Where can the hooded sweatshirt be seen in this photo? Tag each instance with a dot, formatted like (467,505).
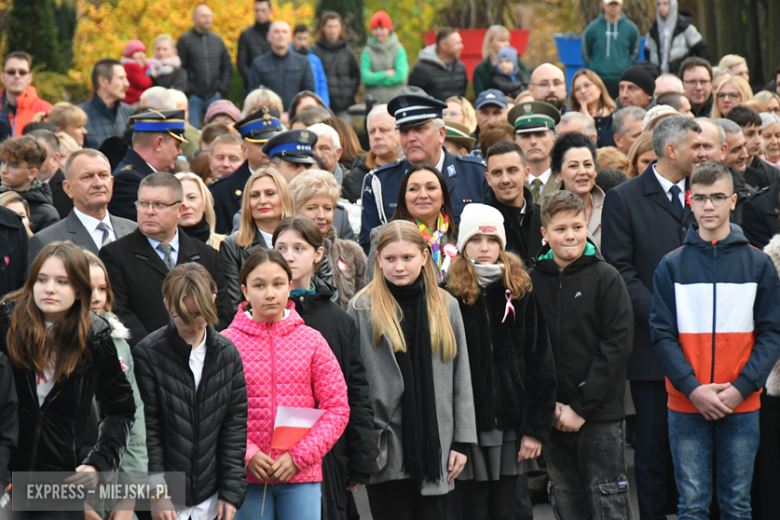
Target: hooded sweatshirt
(436,78)
(375,60)
(608,48)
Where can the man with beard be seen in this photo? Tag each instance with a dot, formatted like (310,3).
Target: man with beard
(548,84)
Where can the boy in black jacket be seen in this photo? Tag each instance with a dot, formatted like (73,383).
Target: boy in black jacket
(591,326)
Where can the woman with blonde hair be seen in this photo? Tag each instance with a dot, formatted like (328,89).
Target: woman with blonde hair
(265,203)
(16,203)
(69,119)
(641,154)
(197,217)
(315,194)
(68,145)
(496,38)
(728,94)
(736,64)
(460,110)
(590,97)
(414,348)
(611,157)
(259,98)
(770,99)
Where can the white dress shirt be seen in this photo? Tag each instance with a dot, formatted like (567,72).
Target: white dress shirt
(440,164)
(197,358)
(268,237)
(173,243)
(90,223)
(666,184)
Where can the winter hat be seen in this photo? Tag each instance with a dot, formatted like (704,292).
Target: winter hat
(223,107)
(381,19)
(132,47)
(480,219)
(508,53)
(655,114)
(642,76)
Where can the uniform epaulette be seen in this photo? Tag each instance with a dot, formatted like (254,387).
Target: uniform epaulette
(128,167)
(472,159)
(386,166)
(216,180)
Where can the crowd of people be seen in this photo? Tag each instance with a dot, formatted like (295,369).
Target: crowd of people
(482,295)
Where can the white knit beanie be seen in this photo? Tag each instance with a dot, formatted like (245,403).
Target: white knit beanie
(480,219)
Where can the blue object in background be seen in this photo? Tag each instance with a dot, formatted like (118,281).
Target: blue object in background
(570,54)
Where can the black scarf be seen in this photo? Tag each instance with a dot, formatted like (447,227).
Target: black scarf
(200,231)
(420,428)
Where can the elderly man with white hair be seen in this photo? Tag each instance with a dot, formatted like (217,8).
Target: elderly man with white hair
(384,141)
(577,122)
(328,150)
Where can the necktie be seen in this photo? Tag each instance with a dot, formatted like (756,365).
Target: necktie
(675,191)
(167,258)
(106,233)
(536,189)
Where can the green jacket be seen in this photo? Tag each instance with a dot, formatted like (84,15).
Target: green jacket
(377,58)
(483,74)
(608,49)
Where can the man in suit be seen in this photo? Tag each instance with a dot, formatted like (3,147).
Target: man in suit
(51,173)
(419,120)
(506,174)
(643,220)
(89,225)
(138,263)
(535,124)
(255,130)
(157,138)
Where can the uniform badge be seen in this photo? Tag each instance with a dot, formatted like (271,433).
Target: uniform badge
(528,109)
(304,137)
(238,193)
(402,101)
(451,170)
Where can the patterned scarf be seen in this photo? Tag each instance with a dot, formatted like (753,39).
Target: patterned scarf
(434,239)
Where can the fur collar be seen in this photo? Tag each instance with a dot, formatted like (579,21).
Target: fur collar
(118,329)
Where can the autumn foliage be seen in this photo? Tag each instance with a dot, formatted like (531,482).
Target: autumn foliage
(104,30)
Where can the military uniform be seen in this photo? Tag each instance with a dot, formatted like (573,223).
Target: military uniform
(761,215)
(133,168)
(257,128)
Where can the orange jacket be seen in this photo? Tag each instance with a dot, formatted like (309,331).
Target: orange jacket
(27,106)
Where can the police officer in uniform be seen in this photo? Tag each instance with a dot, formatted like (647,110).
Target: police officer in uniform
(291,152)
(419,119)
(535,124)
(157,138)
(761,215)
(255,130)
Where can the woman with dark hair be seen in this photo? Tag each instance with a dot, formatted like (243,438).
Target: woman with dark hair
(304,99)
(339,62)
(423,198)
(351,150)
(353,458)
(62,355)
(574,163)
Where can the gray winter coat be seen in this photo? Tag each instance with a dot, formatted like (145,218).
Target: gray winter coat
(452,386)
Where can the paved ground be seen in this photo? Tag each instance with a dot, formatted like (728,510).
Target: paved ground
(541,511)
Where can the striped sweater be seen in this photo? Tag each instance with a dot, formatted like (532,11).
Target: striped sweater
(715,318)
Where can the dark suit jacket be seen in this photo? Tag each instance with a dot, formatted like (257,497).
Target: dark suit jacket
(60,199)
(72,229)
(639,226)
(227,192)
(761,215)
(137,273)
(127,177)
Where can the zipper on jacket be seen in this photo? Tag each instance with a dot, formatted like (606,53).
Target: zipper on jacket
(195,439)
(557,349)
(208,71)
(487,318)
(714,309)
(273,382)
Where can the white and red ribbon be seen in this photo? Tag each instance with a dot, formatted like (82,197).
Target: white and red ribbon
(450,251)
(509,306)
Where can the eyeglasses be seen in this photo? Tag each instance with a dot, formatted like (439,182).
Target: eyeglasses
(584,86)
(717,200)
(158,206)
(694,82)
(731,95)
(14,72)
(451,113)
(775,110)
(546,84)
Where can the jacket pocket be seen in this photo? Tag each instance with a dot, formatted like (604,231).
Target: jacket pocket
(614,499)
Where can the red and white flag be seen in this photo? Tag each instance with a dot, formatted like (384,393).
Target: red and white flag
(292,425)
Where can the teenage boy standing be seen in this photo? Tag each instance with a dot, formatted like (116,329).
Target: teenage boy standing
(715,327)
(591,325)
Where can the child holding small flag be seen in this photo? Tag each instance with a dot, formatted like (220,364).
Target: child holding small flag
(288,367)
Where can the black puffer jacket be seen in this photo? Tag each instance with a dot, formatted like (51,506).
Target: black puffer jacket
(353,457)
(352,185)
(42,212)
(342,71)
(200,433)
(207,62)
(437,79)
(252,43)
(512,364)
(591,325)
(50,435)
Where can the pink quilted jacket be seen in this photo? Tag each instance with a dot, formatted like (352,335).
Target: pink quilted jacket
(289,364)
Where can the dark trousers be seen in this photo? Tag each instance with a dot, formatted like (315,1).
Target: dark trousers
(400,500)
(588,472)
(657,493)
(487,499)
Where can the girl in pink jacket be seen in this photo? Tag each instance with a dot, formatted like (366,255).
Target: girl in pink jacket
(286,363)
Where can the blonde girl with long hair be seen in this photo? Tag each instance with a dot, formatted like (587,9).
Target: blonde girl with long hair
(414,349)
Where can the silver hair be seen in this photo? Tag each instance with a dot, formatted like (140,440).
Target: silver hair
(321,129)
(378,109)
(158,98)
(768,118)
(721,132)
(728,126)
(619,118)
(438,123)
(672,130)
(588,124)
